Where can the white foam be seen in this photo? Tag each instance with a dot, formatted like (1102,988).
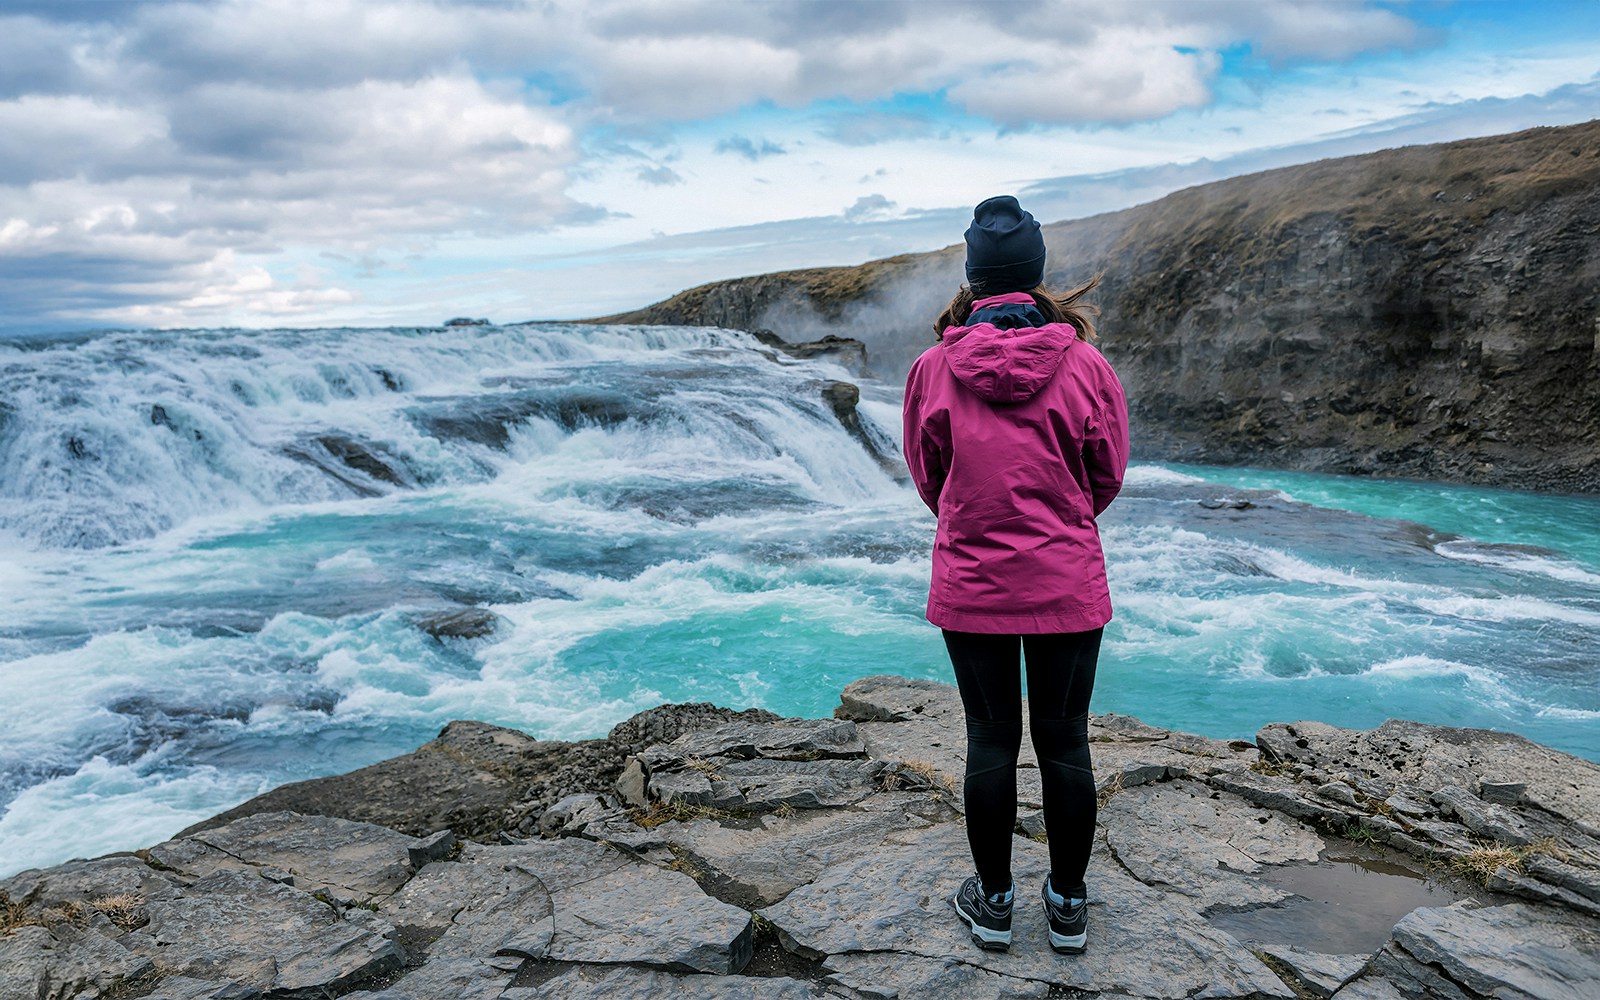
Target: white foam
(104,807)
(1512,607)
(1467,550)
(1155,475)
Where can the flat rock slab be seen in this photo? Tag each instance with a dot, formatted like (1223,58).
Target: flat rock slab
(240,928)
(1185,837)
(587,902)
(36,963)
(780,853)
(896,899)
(478,908)
(351,862)
(1511,951)
(1319,974)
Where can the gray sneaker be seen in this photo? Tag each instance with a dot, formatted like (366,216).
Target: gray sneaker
(987,917)
(1069,922)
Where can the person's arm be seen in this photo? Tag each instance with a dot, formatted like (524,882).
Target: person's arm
(1105,446)
(926,440)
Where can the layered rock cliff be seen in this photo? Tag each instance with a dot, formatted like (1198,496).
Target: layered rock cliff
(1431,311)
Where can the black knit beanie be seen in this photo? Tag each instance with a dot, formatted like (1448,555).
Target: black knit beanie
(1005,250)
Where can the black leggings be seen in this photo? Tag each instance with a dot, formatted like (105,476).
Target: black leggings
(1060,679)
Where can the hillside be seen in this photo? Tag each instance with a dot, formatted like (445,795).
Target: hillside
(1430,311)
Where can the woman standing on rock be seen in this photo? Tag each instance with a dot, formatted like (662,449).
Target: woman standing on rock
(1016,433)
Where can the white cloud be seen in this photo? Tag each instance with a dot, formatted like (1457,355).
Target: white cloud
(163,157)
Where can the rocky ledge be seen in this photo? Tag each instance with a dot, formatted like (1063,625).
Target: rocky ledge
(707,853)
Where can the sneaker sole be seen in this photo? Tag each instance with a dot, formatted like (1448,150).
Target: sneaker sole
(982,936)
(1068,944)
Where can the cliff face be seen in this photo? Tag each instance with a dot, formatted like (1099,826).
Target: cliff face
(1430,311)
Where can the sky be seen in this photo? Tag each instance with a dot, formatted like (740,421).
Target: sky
(258,163)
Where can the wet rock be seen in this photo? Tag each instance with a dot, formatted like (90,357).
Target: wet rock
(1515,950)
(1317,974)
(462,623)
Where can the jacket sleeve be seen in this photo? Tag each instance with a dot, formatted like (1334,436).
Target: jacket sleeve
(1105,446)
(925,438)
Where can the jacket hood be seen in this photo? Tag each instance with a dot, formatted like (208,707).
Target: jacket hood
(1006,352)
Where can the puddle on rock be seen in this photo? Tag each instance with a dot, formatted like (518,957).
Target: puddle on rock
(1340,906)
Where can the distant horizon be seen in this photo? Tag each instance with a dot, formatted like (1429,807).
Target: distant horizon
(257,164)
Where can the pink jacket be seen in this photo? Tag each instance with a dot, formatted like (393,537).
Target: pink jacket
(1016,433)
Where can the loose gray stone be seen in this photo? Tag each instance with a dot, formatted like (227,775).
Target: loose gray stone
(1516,884)
(1321,975)
(1338,791)
(633,783)
(434,847)
(572,814)
(1583,881)
(1502,793)
(1507,951)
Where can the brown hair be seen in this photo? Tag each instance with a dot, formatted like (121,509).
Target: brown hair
(1056,308)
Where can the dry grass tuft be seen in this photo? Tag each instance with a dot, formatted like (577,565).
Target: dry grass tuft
(15,914)
(705,767)
(1107,793)
(662,812)
(125,910)
(1480,863)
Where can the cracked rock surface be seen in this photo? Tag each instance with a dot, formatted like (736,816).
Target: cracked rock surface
(699,852)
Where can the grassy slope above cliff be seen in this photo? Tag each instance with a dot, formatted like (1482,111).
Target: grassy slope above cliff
(1426,311)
